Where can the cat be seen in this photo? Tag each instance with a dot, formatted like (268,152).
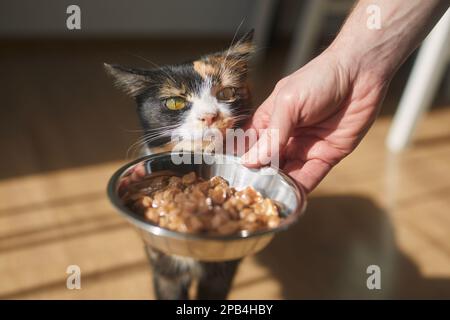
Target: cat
(185,101)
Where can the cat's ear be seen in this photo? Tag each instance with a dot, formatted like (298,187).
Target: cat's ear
(243,48)
(132,81)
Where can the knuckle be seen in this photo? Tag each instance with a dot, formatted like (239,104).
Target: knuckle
(280,84)
(286,98)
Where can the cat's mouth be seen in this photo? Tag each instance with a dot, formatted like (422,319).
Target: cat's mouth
(200,131)
(223,124)
(203,138)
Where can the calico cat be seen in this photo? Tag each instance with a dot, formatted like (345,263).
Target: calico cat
(185,101)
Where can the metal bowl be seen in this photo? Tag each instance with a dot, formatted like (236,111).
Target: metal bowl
(269,181)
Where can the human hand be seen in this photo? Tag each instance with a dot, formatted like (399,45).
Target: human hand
(322,112)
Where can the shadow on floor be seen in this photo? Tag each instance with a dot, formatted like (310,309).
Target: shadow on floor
(326,254)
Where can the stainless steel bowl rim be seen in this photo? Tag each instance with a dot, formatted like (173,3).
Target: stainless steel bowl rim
(142,223)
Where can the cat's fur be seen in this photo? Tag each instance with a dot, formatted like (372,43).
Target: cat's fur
(199,83)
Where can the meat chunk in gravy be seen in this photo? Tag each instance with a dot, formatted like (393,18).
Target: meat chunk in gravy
(194,205)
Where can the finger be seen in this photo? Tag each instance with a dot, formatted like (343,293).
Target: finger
(261,118)
(138,173)
(274,138)
(259,121)
(307,174)
(306,146)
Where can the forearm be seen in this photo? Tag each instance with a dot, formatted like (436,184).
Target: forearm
(379,52)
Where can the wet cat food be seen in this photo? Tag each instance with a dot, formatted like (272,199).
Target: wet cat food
(195,205)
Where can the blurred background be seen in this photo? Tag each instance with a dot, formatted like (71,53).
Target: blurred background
(64,129)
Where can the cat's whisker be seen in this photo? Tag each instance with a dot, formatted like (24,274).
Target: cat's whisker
(241,115)
(231,65)
(150,132)
(149,137)
(222,65)
(139,143)
(168,75)
(134,130)
(146,60)
(172,126)
(156,66)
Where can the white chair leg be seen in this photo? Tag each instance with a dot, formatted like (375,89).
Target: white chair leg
(425,77)
(305,34)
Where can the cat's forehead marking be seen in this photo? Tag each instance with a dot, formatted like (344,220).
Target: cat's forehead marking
(205,70)
(218,68)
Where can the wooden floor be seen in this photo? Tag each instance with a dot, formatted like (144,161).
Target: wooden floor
(64,130)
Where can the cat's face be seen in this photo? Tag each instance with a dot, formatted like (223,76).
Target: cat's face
(187,100)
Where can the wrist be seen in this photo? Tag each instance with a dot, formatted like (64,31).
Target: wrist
(377,53)
(367,80)
(362,63)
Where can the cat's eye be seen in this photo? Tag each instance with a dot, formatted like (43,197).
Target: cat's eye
(175,103)
(226,94)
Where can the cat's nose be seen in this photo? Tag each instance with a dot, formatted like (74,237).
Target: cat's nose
(208,118)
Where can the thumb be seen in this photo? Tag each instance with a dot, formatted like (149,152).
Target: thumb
(274,138)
